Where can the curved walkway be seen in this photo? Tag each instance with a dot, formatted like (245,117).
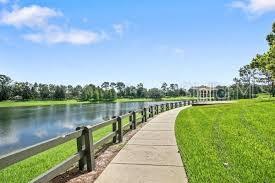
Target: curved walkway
(150,156)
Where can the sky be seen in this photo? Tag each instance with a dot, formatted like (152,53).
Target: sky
(176,41)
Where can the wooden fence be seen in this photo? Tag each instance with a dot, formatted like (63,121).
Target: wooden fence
(85,143)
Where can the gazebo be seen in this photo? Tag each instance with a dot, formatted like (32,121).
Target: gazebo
(205,93)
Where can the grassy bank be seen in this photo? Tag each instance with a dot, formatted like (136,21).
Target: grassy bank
(70,102)
(32,167)
(151,100)
(228,143)
(38,103)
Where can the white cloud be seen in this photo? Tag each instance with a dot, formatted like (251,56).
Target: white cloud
(73,36)
(41,133)
(4,1)
(254,6)
(179,51)
(32,16)
(119,28)
(36,19)
(85,20)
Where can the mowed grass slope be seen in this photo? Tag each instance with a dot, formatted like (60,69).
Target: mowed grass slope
(228,143)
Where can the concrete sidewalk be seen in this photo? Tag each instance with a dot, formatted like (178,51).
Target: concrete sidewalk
(150,156)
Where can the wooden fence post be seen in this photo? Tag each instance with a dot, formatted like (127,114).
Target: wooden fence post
(151,111)
(157,109)
(80,141)
(145,114)
(131,120)
(89,149)
(167,107)
(114,125)
(119,131)
(134,120)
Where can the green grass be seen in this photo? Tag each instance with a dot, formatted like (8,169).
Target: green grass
(30,103)
(228,143)
(264,95)
(134,100)
(32,167)
(151,100)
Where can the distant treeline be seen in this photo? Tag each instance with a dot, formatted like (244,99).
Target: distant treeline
(108,91)
(246,86)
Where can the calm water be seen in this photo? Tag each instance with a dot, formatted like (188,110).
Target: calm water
(24,126)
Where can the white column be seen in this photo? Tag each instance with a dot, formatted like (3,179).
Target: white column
(210,93)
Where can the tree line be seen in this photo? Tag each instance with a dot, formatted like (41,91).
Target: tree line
(256,77)
(108,91)
(259,75)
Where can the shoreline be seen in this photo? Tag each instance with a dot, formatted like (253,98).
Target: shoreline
(34,103)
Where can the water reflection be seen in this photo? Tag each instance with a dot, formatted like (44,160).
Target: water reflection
(24,126)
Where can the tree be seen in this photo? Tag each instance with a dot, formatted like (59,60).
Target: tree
(120,86)
(164,88)
(130,92)
(87,93)
(113,94)
(77,91)
(182,92)
(266,61)
(271,37)
(44,91)
(34,91)
(110,94)
(100,93)
(141,91)
(155,93)
(51,88)
(173,90)
(105,85)
(60,92)
(113,85)
(4,87)
(69,92)
(26,91)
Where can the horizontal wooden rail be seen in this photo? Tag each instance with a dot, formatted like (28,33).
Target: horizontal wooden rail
(25,153)
(100,125)
(60,168)
(104,140)
(85,142)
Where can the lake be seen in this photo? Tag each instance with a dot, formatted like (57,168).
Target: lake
(24,126)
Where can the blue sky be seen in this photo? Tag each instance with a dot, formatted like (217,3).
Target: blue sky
(80,42)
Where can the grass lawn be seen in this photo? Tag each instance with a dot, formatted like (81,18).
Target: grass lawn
(151,100)
(32,167)
(67,102)
(38,103)
(228,143)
